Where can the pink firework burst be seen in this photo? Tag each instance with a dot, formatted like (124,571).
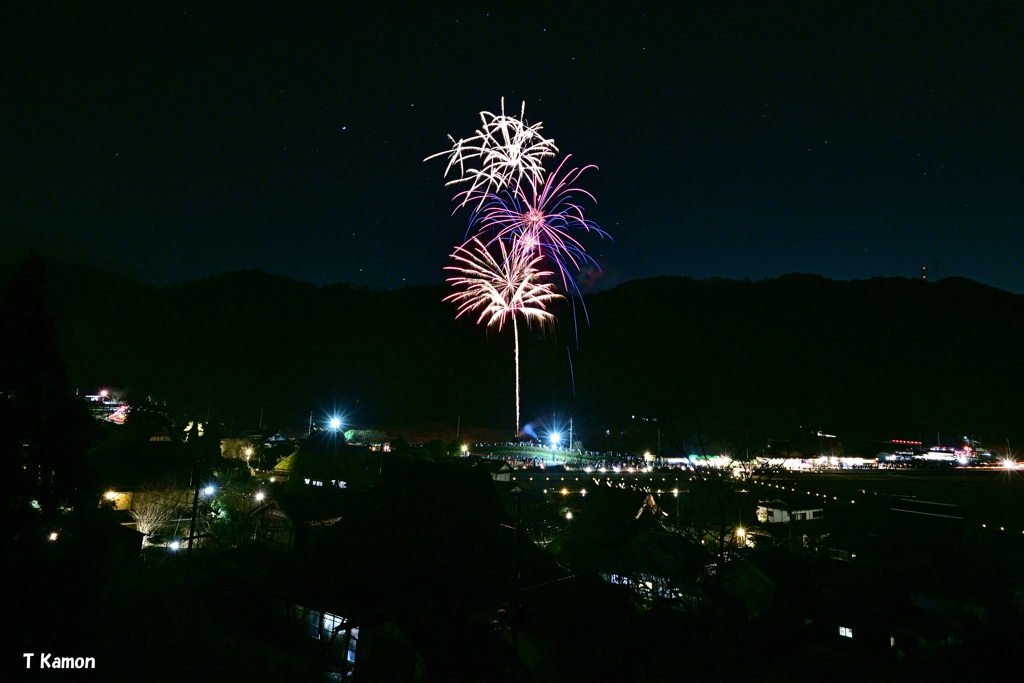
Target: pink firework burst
(543,219)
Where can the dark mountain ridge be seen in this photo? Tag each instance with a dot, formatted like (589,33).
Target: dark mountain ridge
(880,358)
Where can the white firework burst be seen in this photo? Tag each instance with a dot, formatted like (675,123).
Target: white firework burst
(505,150)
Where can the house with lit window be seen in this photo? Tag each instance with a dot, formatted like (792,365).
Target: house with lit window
(327,460)
(499,470)
(337,637)
(620,535)
(783,512)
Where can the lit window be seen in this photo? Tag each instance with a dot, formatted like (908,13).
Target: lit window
(332,623)
(846,632)
(331,627)
(325,624)
(352,640)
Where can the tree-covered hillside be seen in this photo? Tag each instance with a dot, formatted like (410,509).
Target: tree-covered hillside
(884,358)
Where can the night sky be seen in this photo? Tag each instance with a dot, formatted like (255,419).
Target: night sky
(173,141)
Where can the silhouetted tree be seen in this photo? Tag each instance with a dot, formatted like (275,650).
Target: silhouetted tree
(44,430)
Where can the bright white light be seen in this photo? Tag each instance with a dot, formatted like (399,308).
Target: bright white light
(555,438)
(568,515)
(208,490)
(335,423)
(260,496)
(175,545)
(53,535)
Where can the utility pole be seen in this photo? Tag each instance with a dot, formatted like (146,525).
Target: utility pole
(196,478)
(518,493)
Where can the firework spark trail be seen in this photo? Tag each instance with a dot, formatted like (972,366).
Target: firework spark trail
(499,289)
(572,373)
(507,149)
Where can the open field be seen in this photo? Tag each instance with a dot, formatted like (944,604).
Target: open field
(976,490)
(991,501)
